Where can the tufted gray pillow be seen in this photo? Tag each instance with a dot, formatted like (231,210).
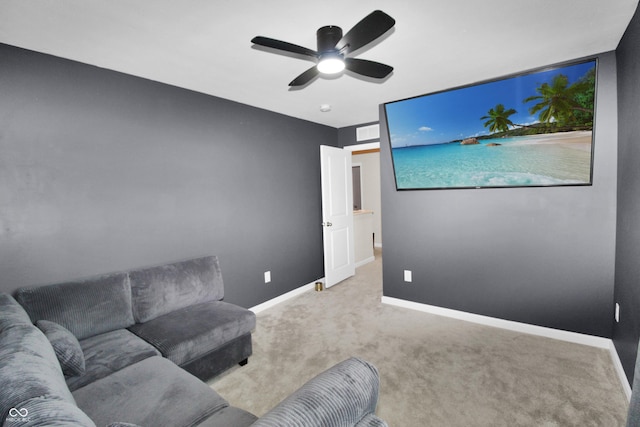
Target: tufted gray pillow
(66,347)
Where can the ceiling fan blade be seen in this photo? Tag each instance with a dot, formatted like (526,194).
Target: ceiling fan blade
(364,32)
(368,68)
(280,45)
(305,77)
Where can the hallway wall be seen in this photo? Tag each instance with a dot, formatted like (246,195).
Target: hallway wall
(371,197)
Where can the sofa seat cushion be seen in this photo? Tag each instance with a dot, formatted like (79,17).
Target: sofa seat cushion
(188,334)
(43,412)
(153,392)
(86,307)
(108,353)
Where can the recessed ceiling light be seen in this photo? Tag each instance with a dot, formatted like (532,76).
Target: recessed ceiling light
(325,108)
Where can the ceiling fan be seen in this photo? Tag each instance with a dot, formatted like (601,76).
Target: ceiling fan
(334,48)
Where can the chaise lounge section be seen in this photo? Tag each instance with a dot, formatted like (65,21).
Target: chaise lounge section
(179,309)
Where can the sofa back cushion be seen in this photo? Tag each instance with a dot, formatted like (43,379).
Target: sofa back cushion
(11,313)
(28,368)
(85,307)
(169,287)
(33,390)
(45,412)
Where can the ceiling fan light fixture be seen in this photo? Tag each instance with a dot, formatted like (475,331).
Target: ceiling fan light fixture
(335,50)
(330,64)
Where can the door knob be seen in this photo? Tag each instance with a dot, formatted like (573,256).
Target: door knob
(329,224)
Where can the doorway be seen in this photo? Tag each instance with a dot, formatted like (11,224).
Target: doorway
(367,158)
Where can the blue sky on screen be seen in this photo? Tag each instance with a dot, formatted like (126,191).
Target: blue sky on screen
(455,114)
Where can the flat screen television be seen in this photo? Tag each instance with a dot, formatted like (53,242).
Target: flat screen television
(534,129)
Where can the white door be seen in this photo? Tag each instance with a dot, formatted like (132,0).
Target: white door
(337,214)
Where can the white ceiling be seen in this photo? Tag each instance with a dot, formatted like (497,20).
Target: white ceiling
(205,45)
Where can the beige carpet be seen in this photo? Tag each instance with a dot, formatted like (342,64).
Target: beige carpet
(435,371)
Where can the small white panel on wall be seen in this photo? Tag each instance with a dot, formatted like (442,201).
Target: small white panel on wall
(366,133)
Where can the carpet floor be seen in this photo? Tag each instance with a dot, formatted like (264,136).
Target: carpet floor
(435,371)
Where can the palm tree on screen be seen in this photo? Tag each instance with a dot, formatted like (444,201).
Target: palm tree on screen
(497,119)
(556,101)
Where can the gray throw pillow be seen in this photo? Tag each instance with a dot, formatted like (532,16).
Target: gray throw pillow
(66,347)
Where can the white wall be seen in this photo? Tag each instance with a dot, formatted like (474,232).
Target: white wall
(370,172)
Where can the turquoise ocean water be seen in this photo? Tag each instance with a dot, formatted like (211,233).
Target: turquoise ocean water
(518,161)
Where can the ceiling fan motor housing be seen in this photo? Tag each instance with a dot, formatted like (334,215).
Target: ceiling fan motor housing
(327,38)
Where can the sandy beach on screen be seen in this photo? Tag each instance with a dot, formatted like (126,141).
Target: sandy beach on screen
(579,140)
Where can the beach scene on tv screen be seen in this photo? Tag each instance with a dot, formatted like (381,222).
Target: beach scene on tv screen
(534,129)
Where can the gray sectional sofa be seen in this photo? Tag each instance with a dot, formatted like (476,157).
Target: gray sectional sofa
(133,347)
(174,310)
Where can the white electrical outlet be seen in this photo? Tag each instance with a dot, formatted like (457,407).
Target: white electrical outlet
(267,276)
(408,276)
(617,312)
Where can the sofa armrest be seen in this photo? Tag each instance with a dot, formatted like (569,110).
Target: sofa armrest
(371,421)
(343,395)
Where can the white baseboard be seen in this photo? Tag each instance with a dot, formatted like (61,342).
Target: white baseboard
(277,300)
(617,364)
(558,334)
(526,328)
(365,261)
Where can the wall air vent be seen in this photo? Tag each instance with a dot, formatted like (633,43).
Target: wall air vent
(365,133)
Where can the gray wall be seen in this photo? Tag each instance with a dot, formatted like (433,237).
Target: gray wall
(627,286)
(543,256)
(101,171)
